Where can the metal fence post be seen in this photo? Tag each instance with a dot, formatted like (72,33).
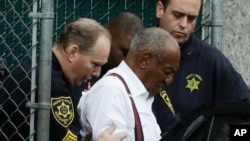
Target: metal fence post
(206,18)
(33,71)
(44,88)
(217,23)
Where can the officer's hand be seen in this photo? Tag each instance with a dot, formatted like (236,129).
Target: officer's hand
(107,135)
(88,136)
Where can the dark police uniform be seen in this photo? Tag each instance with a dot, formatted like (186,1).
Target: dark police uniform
(205,76)
(65,124)
(64,120)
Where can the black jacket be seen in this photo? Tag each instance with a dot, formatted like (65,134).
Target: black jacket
(64,120)
(205,76)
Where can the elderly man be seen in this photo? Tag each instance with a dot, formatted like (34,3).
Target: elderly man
(124,94)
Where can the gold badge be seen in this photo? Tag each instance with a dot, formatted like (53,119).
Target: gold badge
(63,111)
(70,136)
(193,81)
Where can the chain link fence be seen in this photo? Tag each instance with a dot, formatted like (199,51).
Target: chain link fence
(20,41)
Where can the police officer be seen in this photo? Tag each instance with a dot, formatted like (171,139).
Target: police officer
(205,75)
(77,56)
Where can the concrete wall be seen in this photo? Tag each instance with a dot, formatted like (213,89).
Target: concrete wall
(236,35)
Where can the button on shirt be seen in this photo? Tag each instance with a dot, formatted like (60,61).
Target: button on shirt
(108,102)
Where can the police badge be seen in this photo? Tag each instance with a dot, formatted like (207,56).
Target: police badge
(63,111)
(193,81)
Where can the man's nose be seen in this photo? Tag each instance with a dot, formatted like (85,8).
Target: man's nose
(169,79)
(184,22)
(97,71)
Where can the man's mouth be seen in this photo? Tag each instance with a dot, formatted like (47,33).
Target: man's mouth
(179,34)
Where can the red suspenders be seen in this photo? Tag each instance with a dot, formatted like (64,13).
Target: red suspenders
(138,127)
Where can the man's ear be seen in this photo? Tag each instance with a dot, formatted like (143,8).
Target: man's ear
(159,9)
(144,60)
(72,52)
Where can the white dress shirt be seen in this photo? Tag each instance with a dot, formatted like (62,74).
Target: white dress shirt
(108,102)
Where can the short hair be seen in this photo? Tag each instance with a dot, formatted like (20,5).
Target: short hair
(152,40)
(84,32)
(165,3)
(124,23)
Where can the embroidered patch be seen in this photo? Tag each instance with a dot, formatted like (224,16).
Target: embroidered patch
(166,99)
(193,81)
(70,136)
(63,111)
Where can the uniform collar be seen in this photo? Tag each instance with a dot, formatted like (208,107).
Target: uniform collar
(56,67)
(187,50)
(55,63)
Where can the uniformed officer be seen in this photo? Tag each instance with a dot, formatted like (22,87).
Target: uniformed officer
(205,75)
(77,56)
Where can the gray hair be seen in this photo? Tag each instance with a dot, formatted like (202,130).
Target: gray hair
(153,40)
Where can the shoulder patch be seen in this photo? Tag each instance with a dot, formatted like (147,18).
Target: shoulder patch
(70,136)
(62,109)
(164,96)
